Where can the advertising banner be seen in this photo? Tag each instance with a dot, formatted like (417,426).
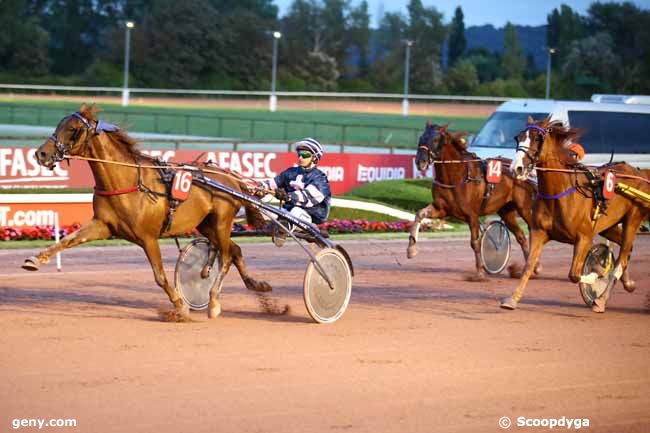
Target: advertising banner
(19,167)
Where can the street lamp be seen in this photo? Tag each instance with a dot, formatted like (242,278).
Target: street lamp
(127,48)
(407,64)
(549,51)
(273,100)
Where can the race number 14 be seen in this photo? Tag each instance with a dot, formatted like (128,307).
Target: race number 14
(494,171)
(181,185)
(609,185)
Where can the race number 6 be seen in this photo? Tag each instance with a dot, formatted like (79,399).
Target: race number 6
(181,185)
(494,171)
(609,185)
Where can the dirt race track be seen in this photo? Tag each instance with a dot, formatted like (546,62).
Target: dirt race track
(420,349)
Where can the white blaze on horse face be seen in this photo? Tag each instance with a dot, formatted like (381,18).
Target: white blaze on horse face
(517,165)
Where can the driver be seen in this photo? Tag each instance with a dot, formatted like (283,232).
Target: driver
(304,189)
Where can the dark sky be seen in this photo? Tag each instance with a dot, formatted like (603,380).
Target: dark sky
(479,12)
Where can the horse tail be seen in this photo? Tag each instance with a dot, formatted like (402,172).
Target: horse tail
(254,217)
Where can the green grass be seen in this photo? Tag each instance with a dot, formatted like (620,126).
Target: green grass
(351,214)
(409,195)
(381,130)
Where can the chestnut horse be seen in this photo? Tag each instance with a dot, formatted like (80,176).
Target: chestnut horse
(460,190)
(568,209)
(131,203)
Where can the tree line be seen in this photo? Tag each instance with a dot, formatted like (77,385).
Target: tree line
(325,45)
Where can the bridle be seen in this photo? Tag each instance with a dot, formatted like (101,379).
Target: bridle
(431,154)
(62,149)
(526,149)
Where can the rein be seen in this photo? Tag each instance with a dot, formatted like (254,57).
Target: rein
(566,170)
(218,170)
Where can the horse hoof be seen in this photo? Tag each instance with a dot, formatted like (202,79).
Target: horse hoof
(411,252)
(477,278)
(31,264)
(259,286)
(598,306)
(515,270)
(177,314)
(629,286)
(214,310)
(509,303)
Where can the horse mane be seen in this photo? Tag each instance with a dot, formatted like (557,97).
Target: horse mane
(119,136)
(562,132)
(457,139)
(129,143)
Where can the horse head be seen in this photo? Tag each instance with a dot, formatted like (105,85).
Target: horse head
(541,142)
(529,146)
(429,146)
(71,136)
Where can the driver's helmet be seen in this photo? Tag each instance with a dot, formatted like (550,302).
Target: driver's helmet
(577,149)
(312,146)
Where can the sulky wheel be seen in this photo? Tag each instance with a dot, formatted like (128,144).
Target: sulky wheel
(325,303)
(194,289)
(495,247)
(600,259)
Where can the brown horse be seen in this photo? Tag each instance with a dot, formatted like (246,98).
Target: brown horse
(568,209)
(460,190)
(131,203)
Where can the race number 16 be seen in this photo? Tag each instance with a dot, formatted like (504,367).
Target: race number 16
(494,171)
(181,185)
(609,185)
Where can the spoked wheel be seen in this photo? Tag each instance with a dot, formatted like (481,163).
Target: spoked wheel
(325,303)
(194,289)
(600,260)
(495,247)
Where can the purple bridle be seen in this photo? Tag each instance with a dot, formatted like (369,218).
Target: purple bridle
(100,127)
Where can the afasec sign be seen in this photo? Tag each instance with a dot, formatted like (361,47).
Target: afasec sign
(19,168)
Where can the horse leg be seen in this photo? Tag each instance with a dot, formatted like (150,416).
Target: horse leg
(93,230)
(580,250)
(475,242)
(219,235)
(426,212)
(630,227)
(538,239)
(250,282)
(152,250)
(615,234)
(509,216)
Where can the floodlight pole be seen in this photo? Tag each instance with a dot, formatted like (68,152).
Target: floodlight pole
(407,64)
(127,51)
(549,52)
(273,100)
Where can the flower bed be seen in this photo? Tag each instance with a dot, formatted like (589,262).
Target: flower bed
(35,232)
(332,226)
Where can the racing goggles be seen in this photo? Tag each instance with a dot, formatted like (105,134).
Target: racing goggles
(304,154)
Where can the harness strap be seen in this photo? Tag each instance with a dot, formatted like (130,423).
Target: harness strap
(444,185)
(116,191)
(556,196)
